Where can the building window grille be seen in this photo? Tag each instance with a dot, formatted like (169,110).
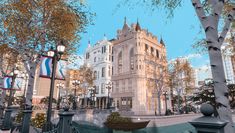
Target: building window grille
(132,59)
(120,62)
(102,88)
(103,71)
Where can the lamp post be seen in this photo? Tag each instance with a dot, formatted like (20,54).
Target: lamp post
(93,97)
(75,83)
(178,93)
(109,87)
(185,102)
(7,118)
(59,86)
(25,76)
(165,94)
(56,56)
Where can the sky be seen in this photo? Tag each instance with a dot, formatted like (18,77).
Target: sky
(178,33)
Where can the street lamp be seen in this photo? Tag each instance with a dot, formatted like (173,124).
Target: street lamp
(59,86)
(56,56)
(109,87)
(25,76)
(185,102)
(165,94)
(75,83)
(178,93)
(7,118)
(93,97)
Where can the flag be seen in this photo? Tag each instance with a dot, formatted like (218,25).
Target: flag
(7,80)
(46,67)
(61,69)
(18,84)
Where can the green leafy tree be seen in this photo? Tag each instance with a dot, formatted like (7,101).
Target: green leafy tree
(206,95)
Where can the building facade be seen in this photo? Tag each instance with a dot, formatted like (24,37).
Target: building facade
(228,59)
(99,58)
(138,59)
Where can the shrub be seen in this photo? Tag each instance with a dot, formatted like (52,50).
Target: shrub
(116,118)
(39,120)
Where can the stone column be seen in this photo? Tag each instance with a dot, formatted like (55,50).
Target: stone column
(65,122)
(208,123)
(99,104)
(26,121)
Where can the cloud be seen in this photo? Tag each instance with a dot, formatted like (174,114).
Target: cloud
(187,57)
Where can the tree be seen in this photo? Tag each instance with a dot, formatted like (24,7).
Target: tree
(8,60)
(32,27)
(209,13)
(206,95)
(156,81)
(180,78)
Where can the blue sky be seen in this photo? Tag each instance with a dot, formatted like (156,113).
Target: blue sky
(179,32)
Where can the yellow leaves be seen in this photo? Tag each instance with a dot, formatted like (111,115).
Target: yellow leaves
(63,24)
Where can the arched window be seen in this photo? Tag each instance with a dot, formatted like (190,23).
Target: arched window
(95,59)
(132,59)
(120,62)
(95,74)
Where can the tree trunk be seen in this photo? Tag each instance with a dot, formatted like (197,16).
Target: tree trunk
(214,41)
(29,94)
(220,88)
(2,102)
(159,103)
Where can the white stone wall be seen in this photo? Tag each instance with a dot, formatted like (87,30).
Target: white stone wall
(99,60)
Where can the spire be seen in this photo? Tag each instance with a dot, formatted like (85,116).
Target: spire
(162,42)
(125,26)
(89,44)
(105,38)
(137,28)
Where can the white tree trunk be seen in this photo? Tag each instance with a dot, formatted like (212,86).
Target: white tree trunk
(29,93)
(214,42)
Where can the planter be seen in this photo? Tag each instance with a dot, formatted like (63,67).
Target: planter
(127,126)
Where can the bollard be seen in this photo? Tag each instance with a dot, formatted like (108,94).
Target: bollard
(1,111)
(65,121)
(208,123)
(7,121)
(26,121)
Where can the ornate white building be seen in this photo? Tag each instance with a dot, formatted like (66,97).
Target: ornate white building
(99,58)
(228,59)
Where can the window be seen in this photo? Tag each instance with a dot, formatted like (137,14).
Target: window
(87,55)
(103,71)
(97,89)
(95,59)
(146,48)
(120,62)
(123,85)
(152,50)
(112,70)
(95,74)
(109,72)
(123,101)
(117,103)
(102,88)
(117,86)
(129,84)
(157,53)
(103,49)
(132,59)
